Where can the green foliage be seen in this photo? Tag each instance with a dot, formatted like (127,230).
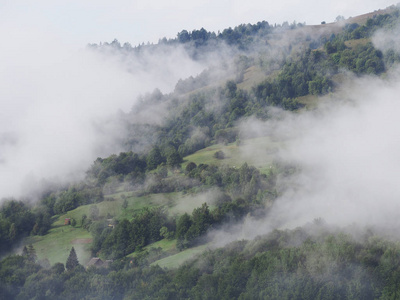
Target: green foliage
(190,228)
(165,233)
(74,196)
(173,158)
(17,220)
(291,264)
(154,158)
(190,167)
(361,60)
(72,261)
(129,236)
(219,154)
(126,163)
(308,74)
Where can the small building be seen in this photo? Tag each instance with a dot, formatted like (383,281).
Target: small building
(67,221)
(98,263)
(111,223)
(95,261)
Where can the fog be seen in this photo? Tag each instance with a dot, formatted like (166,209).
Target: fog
(59,106)
(60,109)
(349,159)
(347,156)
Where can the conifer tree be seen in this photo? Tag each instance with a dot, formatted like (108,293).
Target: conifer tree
(31,253)
(72,260)
(25,252)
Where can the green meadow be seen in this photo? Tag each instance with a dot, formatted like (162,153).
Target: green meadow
(56,245)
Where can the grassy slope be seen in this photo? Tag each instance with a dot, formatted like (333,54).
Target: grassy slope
(259,152)
(56,245)
(176,260)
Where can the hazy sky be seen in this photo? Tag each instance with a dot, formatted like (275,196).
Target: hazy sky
(80,22)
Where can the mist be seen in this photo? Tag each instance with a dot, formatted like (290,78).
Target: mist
(60,105)
(347,158)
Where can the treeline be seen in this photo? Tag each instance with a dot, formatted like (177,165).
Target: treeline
(241,36)
(64,200)
(287,264)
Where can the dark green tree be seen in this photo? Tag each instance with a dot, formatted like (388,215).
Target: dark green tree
(219,154)
(31,253)
(190,167)
(154,158)
(25,252)
(173,158)
(72,261)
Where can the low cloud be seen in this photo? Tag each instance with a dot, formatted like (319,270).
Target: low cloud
(188,203)
(60,107)
(347,153)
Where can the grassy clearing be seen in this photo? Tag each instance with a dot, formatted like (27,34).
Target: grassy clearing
(259,152)
(167,246)
(176,260)
(252,76)
(354,43)
(112,207)
(56,245)
(362,19)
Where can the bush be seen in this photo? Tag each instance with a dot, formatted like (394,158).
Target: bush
(219,154)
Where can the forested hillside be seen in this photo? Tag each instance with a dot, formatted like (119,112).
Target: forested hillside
(174,215)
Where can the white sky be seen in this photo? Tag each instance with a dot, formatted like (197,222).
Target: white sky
(80,22)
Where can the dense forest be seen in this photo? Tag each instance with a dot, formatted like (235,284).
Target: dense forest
(314,261)
(295,264)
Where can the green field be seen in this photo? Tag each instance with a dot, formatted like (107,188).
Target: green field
(259,152)
(354,43)
(55,245)
(176,260)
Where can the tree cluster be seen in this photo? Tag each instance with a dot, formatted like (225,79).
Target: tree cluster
(129,236)
(291,264)
(18,219)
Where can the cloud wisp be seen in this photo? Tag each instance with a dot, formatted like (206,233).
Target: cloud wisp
(347,153)
(59,106)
